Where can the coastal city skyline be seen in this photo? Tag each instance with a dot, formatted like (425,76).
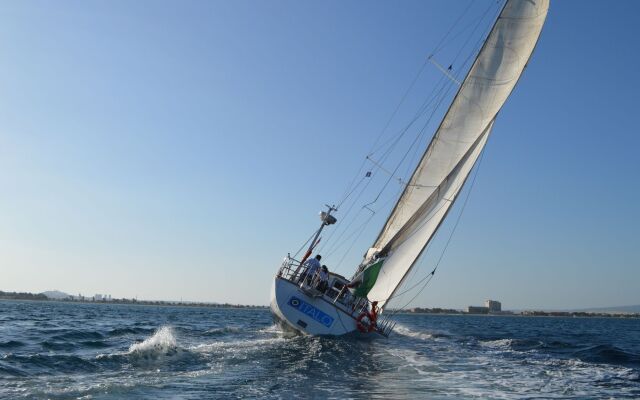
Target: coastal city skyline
(181,153)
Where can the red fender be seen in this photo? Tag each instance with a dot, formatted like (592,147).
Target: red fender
(372,322)
(362,328)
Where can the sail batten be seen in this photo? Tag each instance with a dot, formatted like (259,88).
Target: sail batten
(457,143)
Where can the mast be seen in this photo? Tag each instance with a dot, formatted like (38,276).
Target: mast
(327,219)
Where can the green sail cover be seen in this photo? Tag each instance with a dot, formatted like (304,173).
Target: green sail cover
(369,277)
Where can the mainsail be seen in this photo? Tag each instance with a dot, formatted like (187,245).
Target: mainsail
(457,144)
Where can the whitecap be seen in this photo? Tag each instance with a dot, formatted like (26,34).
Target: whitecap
(404,331)
(160,345)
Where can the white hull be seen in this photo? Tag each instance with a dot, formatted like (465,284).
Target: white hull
(308,315)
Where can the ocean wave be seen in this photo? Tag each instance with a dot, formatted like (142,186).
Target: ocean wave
(11,371)
(608,354)
(55,345)
(130,331)
(223,331)
(11,344)
(78,335)
(49,363)
(95,344)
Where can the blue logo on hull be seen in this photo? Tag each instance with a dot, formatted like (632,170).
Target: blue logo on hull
(310,311)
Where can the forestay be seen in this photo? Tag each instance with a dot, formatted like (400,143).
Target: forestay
(457,143)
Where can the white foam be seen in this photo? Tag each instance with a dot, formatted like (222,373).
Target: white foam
(162,343)
(275,328)
(226,329)
(498,344)
(255,344)
(404,331)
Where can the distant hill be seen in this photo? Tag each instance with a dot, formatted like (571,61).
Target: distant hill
(615,309)
(21,296)
(56,295)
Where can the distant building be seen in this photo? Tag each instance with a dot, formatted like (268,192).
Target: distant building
(477,310)
(97,297)
(493,306)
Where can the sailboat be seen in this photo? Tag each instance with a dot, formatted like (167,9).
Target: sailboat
(303,301)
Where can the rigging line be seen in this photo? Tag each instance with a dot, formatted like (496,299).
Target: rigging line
(331,249)
(349,237)
(431,97)
(355,239)
(437,96)
(366,176)
(473,21)
(482,38)
(373,212)
(455,226)
(413,160)
(404,97)
(383,169)
(346,196)
(455,75)
(441,44)
(415,154)
(421,112)
(386,126)
(413,143)
(346,214)
(304,244)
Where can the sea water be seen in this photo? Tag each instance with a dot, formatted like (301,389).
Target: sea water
(106,351)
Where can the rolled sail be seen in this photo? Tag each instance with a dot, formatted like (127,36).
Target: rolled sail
(457,143)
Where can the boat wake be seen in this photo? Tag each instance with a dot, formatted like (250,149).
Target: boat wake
(403,330)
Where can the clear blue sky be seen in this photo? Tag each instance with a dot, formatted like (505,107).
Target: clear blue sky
(171,150)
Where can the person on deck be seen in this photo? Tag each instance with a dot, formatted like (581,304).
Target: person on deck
(312,266)
(324,279)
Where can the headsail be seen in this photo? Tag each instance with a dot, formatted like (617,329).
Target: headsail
(458,142)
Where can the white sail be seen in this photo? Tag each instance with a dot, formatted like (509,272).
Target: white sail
(458,142)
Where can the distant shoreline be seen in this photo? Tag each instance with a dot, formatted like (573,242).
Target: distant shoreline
(527,313)
(13,296)
(146,303)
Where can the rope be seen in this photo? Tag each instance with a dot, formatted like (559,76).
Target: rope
(420,133)
(440,45)
(304,244)
(384,129)
(355,239)
(345,218)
